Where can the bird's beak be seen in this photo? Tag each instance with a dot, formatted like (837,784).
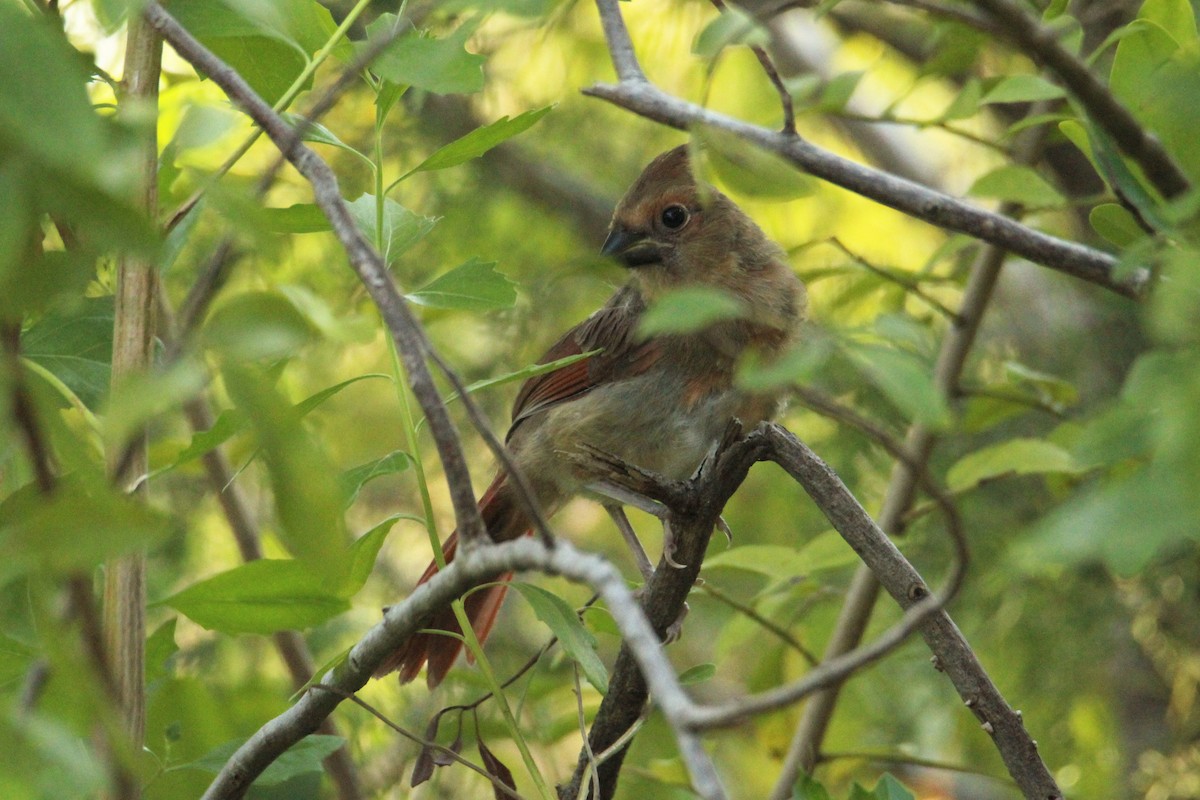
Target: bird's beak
(631,248)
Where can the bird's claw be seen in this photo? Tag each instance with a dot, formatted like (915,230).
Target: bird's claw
(669,546)
(724,528)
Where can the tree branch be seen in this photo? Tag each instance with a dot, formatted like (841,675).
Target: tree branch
(636,94)
(1042,45)
(918,446)
(133,347)
(411,342)
(471,568)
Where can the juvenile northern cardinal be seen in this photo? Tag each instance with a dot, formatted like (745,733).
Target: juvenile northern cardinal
(660,403)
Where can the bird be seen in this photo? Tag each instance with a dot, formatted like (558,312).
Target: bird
(659,402)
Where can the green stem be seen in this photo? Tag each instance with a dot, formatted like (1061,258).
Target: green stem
(410,435)
(510,719)
(283,103)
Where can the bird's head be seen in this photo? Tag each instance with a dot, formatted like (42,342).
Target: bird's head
(673,232)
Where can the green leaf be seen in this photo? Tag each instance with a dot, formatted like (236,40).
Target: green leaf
(472,286)
(808,788)
(965,104)
(318,133)
(838,90)
(480,140)
(140,398)
(365,550)
(779,562)
(1177,17)
(76,347)
(401,227)
(576,640)
(15,659)
(1013,457)
(689,309)
(1022,89)
(732,26)
(748,170)
(697,674)
(353,479)
(441,66)
(796,365)
(307,502)
(297,218)
(77,527)
(263,597)
(889,788)
(1116,224)
(905,379)
(160,646)
(1017,184)
(256,326)
(302,758)
(268,42)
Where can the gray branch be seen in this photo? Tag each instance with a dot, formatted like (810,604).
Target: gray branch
(411,341)
(471,568)
(636,94)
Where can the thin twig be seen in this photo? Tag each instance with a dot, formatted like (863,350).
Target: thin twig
(411,341)
(1044,46)
(764,60)
(638,95)
(407,734)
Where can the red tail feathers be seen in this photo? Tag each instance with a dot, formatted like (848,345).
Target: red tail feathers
(503,521)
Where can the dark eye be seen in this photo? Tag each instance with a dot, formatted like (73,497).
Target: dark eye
(674,217)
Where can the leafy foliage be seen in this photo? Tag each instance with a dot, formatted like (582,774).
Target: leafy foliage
(1069,437)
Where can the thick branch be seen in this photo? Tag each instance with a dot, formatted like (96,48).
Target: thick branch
(133,346)
(641,97)
(402,620)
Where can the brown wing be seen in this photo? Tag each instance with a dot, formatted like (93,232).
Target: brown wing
(610,330)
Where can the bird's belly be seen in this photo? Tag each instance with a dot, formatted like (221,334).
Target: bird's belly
(658,423)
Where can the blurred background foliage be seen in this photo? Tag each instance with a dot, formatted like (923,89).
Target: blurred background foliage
(1072,443)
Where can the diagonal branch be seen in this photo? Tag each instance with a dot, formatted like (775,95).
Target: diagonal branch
(410,339)
(636,94)
(471,568)
(1103,108)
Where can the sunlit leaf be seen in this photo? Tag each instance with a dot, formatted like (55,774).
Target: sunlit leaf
(689,309)
(472,286)
(748,170)
(257,326)
(15,658)
(575,639)
(263,596)
(733,26)
(1012,457)
(1017,184)
(401,227)
(1116,224)
(442,66)
(1022,89)
(480,140)
(297,218)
